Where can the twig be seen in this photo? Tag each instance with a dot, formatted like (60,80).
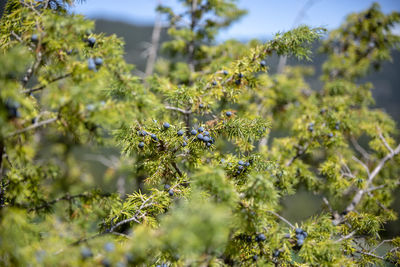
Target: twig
(179,109)
(133,218)
(325,200)
(113,227)
(16,36)
(177,168)
(28,91)
(30,7)
(345,237)
(373,188)
(66,198)
(33,126)
(362,164)
(384,141)
(371,254)
(360,149)
(300,151)
(280,217)
(382,206)
(358,196)
(380,244)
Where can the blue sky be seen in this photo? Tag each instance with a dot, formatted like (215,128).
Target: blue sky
(265,17)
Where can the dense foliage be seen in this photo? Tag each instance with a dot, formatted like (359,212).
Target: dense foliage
(198,155)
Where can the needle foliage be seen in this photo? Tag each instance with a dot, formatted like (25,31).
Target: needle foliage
(188,166)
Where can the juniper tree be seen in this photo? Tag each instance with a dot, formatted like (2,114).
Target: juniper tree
(195,135)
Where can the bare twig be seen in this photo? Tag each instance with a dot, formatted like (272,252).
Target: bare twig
(33,126)
(359,148)
(132,219)
(384,141)
(325,200)
(179,109)
(280,217)
(350,235)
(371,254)
(16,36)
(362,164)
(373,188)
(358,196)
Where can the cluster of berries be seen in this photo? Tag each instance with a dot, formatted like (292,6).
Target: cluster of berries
(168,188)
(300,236)
(242,167)
(203,135)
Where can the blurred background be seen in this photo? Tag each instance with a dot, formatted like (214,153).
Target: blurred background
(133,20)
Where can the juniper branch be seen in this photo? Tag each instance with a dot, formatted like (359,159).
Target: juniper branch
(358,196)
(179,109)
(66,198)
(359,148)
(33,126)
(28,91)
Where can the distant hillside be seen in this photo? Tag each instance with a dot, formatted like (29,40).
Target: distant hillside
(386,82)
(135,37)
